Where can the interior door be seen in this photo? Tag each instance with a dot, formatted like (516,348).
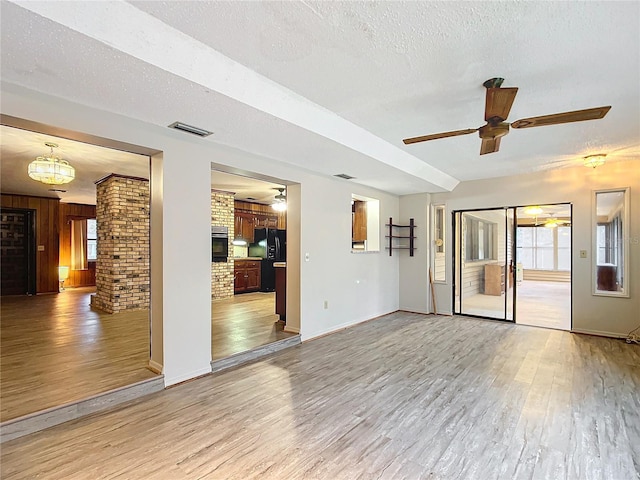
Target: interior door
(483,260)
(17,251)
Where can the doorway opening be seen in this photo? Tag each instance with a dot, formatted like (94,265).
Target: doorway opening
(543,266)
(17,234)
(60,343)
(514,264)
(248,280)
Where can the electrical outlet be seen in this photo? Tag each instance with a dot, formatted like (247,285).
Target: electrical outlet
(583,254)
(326,304)
(306,257)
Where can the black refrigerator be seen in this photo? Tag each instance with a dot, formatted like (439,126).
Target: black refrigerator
(270,244)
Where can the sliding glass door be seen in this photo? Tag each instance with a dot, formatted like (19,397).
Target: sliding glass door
(484,259)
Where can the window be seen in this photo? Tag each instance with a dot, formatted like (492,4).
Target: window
(544,248)
(610,221)
(439,261)
(84,243)
(480,236)
(92,240)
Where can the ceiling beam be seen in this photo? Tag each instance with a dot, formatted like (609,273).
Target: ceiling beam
(123,27)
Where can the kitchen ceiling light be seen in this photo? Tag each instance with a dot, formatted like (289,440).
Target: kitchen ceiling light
(280,201)
(594,161)
(50,169)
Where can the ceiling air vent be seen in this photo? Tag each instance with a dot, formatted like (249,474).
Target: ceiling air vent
(344,175)
(190,129)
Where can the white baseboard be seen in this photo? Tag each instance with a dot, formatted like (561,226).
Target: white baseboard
(291,330)
(169,381)
(342,326)
(599,333)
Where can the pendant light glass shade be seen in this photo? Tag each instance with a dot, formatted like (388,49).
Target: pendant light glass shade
(50,169)
(594,161)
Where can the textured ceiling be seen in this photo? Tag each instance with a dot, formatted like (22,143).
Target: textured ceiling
(19,147)
(335,86)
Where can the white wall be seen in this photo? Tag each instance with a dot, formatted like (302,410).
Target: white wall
(414,271)
(591,314)
(357,287)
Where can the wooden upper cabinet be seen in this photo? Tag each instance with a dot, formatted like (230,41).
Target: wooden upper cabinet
(249,216)
(243,226)
(359,221)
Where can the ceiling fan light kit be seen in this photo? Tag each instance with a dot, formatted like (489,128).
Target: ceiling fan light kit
(51,170)
(280,201)
(498,102)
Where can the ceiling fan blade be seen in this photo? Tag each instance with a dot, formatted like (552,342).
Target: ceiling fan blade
(435,136)
(490,145)
(498,103)
(565,117)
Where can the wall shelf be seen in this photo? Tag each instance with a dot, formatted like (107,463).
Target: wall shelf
(397,231)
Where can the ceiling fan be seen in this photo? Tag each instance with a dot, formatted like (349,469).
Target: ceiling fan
(497,106)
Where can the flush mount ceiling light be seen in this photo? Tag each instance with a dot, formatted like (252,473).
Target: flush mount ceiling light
(280,201)
(594,161)
(533,210)
(50,169)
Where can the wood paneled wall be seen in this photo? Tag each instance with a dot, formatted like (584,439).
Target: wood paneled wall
(68,212)
(47,236)
(250,207)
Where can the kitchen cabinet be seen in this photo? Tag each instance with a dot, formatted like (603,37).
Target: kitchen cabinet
(244,225)
(265,221)
(359,221)
(246,274)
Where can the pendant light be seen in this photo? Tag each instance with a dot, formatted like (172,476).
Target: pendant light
(594,161)
(50,169)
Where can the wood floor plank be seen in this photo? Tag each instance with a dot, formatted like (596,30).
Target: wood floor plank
(404,396)
(56,349)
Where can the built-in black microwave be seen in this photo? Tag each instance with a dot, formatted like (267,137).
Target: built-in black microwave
(219,244)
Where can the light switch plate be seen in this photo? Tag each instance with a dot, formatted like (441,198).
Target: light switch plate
(583,254)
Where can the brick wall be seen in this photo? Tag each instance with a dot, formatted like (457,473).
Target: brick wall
(222,211)
(122,268)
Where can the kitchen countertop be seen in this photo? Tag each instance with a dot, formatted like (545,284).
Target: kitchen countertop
(247,258)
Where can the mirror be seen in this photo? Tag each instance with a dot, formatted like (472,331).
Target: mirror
(439,270)
(610,259)
(365,224)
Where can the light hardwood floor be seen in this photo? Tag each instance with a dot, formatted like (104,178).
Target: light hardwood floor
(244,322)
(405,396)
(544,304)
(54,349)
(538,304)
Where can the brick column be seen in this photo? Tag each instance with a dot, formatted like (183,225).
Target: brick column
(222,214)
(122,268)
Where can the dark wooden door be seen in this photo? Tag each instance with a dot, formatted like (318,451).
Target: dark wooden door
(17,252)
